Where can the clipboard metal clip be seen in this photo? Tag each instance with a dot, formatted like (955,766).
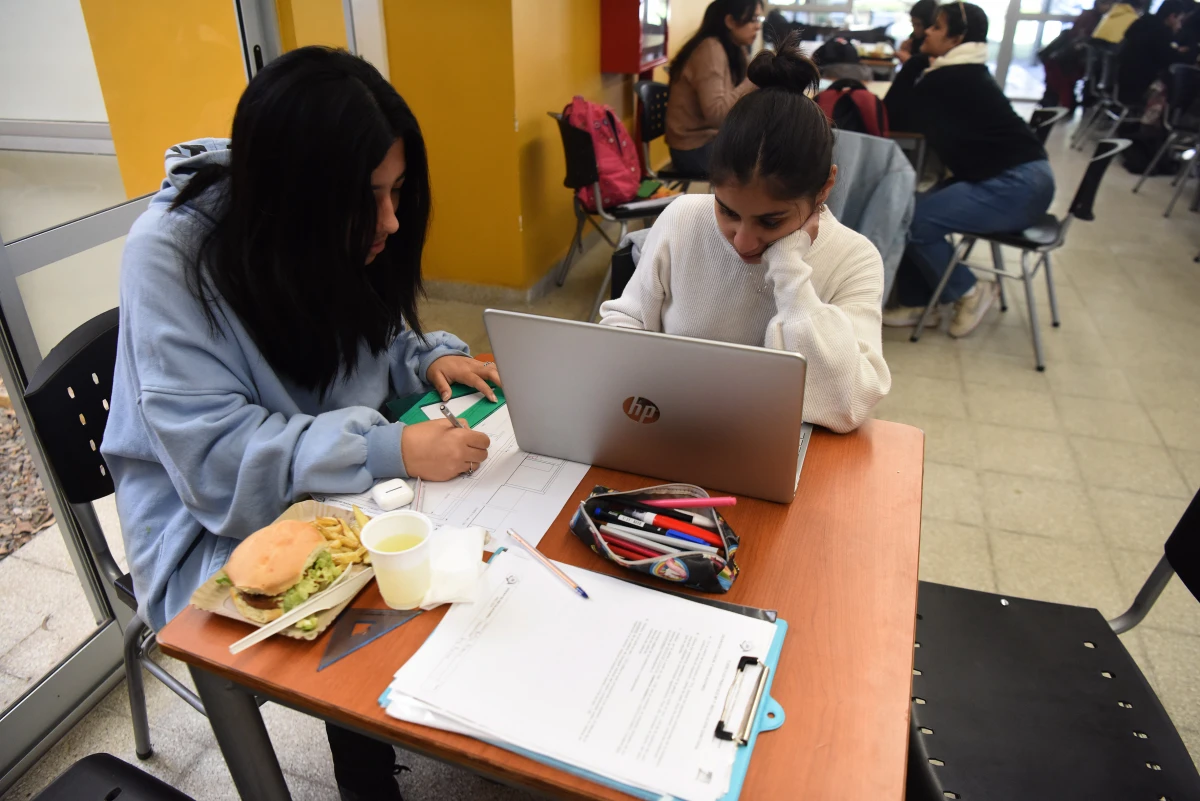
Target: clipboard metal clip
(741,704)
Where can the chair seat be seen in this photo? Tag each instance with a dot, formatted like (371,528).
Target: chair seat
(1032,700)
(1043,233)
(102,776)
(638,212)
(124,587)
(669,173)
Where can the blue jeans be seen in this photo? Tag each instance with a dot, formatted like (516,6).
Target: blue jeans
(1013,200)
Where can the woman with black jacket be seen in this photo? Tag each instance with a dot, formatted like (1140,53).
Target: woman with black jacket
(899,95)
(1001,178)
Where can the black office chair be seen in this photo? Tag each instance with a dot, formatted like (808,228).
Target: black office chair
(103,777)
(1183,128)
(652,120)
(621,269)
(1044,119)
(68,404)
(581,172)
(1109,107)
(1041,239)
(1019,699)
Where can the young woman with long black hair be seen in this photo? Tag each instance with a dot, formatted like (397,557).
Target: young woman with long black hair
(708,76)
(761,261)
(268,311)
(1001,177)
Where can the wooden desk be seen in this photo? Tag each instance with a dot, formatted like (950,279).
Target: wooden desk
(839,564)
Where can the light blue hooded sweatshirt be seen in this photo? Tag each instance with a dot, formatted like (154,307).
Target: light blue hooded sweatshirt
(206,443)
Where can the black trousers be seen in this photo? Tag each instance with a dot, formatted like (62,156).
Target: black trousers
(365,768)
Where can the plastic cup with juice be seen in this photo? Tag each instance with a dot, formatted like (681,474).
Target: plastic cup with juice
(399,546)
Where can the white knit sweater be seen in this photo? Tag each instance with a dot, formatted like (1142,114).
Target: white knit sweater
(818,299)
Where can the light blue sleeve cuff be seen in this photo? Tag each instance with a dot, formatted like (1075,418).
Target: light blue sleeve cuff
(453,347)
(385,458)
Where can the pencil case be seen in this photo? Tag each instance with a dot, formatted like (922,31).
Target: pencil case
(698,569)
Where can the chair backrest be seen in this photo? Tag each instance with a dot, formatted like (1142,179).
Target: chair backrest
(1043,121)
(1085,195)
(622,269)
(652,116)
(1183,91)
(68,400)
(580,154)
(1183,547)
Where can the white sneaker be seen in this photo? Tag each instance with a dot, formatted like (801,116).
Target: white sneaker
(909,316)
(971,307)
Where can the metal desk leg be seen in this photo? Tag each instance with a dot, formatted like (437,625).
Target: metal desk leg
(242,737)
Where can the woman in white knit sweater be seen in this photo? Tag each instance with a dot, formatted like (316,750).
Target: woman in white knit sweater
(761,261)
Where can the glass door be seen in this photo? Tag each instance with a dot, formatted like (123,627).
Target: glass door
(90,99)
(1029,25)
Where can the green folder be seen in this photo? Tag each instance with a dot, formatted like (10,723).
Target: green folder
(409,409)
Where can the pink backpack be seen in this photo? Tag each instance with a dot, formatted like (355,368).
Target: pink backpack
(616,158)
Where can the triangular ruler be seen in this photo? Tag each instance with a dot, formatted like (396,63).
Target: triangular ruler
(357,627)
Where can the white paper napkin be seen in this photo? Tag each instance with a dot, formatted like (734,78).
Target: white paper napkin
(456,561)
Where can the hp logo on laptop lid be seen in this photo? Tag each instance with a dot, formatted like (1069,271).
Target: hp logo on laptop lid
(640,410)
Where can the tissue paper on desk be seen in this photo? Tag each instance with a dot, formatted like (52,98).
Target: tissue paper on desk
(456,561)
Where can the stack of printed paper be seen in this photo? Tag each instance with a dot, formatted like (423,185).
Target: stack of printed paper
(628,685)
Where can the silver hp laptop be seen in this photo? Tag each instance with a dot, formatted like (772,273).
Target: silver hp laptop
(724,417)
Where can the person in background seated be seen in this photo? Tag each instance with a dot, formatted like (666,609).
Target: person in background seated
(1002,180)
(761,261)
(921,16)
(838,60)
(899,95)
(268,310)
(1065,59)
(1113,25)
(708,76)
(1148,50)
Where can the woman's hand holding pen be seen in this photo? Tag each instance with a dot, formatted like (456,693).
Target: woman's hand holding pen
(438,451)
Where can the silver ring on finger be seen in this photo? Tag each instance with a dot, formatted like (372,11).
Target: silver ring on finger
(489,364)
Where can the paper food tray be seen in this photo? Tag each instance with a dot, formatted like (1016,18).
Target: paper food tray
(213,597)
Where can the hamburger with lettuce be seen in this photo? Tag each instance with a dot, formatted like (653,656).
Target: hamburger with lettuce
(277,568)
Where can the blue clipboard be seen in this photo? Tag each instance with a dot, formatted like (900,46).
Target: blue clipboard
(769,717)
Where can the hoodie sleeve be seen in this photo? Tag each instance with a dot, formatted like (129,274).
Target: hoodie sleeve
(233,462)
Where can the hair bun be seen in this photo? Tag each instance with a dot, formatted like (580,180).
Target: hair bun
(787,68)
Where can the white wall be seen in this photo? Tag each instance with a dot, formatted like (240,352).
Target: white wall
(46,66)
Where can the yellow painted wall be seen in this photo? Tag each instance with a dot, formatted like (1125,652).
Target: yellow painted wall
(167,76)
(310,22)
(556,55)
(453,63)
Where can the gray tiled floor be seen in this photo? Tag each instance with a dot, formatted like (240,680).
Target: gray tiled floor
(1059,486)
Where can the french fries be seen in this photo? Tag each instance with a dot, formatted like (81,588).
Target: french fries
(342,536)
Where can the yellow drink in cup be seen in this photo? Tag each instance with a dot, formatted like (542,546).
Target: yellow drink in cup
(399,546)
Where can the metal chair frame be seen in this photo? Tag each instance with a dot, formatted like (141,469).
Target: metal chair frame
(1108,105)
(578,176)
(1106,150)
(73,457)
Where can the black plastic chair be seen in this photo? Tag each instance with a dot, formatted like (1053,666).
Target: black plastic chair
(1044,119)
(103,777)
(1041,239)
(1108,105)
(68,404)
(652,120)
(621,269)
(581,172)
(1183,127)
(1019,699)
